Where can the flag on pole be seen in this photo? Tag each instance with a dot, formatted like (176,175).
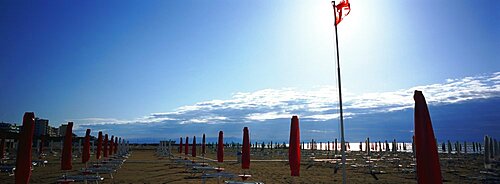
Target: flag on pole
(341,10)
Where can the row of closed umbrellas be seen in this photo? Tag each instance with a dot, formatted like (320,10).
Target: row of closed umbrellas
(107,147)
(294,148)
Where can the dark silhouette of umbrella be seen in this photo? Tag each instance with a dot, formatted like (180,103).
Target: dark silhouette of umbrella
(99,146)
(67,148)
(428,168)
(203,151)
(105,145)
(294,148)
(245,155)
(220,147)
(23,159)
(111,145)
(193,147)
(86,147)
(186,147)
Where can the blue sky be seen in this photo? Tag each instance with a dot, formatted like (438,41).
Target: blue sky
(123,61)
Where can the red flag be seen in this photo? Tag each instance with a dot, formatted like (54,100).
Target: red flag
(428,168)
(341,10)
(67,147)
(294,149)
(86,147)
(220,147)
(245,156)
(23,159)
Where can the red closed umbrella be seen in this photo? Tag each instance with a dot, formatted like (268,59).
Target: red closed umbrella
(180,146)
(193,147)
(294,148)
(220,147)
(120,143)
(40,147)
(111,145)
(23,159)
(86,147)
(67,147)
(428,168)
(116,145)
(105,144)
(186,147)
(245,156)
(203,145)
(99,146)
(2,148)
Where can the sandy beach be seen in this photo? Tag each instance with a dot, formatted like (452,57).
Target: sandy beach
(271,166)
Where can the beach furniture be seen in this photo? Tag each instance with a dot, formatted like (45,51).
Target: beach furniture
(218,175)
(81,178)
(243,182)
(9,169)
(23,159)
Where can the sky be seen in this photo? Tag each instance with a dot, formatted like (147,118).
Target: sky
(160,62)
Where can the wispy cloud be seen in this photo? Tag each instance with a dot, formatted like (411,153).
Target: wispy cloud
(318,104)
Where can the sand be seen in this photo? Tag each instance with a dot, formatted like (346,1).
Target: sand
(270,166)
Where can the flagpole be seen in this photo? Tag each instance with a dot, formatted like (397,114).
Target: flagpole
(342,140)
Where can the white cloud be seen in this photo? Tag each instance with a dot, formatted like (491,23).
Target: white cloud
(318,104)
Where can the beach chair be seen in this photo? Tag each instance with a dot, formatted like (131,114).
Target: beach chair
(40,162)
(9,169)
(217,175)
(98,170)
(81,178)
(243,182)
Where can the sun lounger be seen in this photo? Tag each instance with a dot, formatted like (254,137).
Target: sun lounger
(217,175)
(98,170)
(83,178)
(8,169)
(243,182)
(40,162)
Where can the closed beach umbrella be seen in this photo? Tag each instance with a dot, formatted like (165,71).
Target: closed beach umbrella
(86,147)
(23,159)
(245,156)
(105,144)
(111,145)
(220,147)
(203,145)
(67,147)
(486,150)
(186,147)
(116,146)
(99,146)
(2,148)
(180,145)
(193,147)
(40,147)
(428,168)
(294,149)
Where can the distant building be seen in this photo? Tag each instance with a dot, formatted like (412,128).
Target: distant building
(41,127)
(53,132)
(62,130)
(8,128)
